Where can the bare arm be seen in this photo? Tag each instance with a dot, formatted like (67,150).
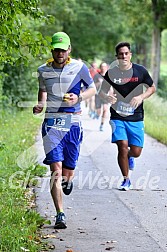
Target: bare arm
(88,93)
(72,98)
(42,95)
(110,97)
(150,90)
(137,100)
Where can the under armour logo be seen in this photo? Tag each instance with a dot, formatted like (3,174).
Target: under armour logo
(117,80)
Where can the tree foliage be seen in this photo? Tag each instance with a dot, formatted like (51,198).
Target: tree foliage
(20,42)
(94,28)
(164,45)
(89,24)
(159,9)
(16,33)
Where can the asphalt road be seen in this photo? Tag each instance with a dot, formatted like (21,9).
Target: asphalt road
(99,216)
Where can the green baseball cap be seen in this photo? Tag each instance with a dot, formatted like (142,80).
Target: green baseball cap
(60,40)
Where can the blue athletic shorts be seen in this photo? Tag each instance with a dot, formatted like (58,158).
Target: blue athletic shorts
(133,132)
(62,146)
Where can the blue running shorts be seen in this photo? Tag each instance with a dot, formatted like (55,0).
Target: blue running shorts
(133,132)
(62,146)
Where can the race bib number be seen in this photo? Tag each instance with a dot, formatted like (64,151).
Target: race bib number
(124,109)
(60,122)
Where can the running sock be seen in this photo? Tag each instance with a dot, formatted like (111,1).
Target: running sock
(60,211)
(125,177)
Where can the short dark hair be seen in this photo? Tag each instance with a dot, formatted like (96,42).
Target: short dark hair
(121,44)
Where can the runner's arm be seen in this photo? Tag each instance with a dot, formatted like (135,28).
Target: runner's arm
(149,91)
(137,100)
(42,95)
(89,92)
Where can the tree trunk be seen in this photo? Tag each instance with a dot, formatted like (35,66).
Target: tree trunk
(141,53)
(156,54)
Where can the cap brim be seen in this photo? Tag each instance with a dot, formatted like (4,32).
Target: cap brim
(60,46)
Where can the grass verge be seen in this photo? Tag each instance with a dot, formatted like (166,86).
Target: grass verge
(19,220)
(156,118)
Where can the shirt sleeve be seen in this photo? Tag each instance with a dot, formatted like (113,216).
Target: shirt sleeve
(86,77)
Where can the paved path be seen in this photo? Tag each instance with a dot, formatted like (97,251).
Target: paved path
(102,218)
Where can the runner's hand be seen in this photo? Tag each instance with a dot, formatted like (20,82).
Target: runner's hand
(70,99)
(136,101)
(111,98)
(37,109)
